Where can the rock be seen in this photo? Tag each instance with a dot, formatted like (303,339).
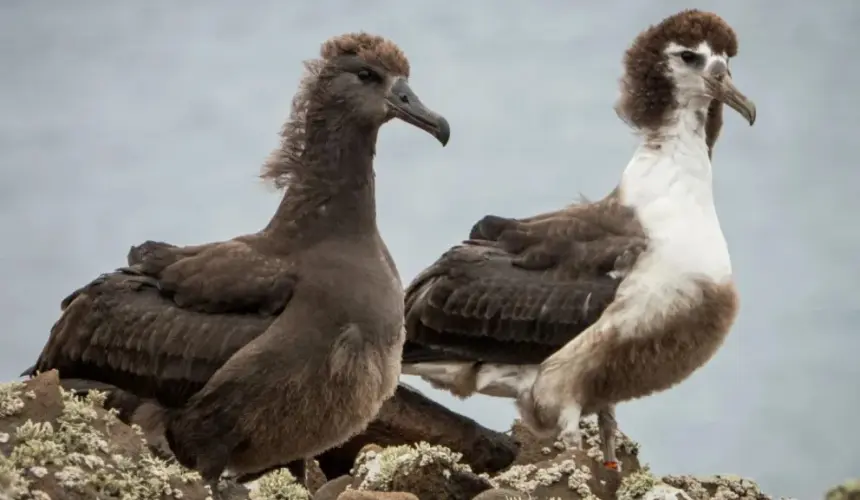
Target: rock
(376,495)
(717,486)
(534,449)
(57,446)
(333,488)
(54,445)
(642,485)
(410,417)
(849,490)
(545,469)
(502,494)
(314,477)
(567,476)
(279,485)
(662,491)
(427,471)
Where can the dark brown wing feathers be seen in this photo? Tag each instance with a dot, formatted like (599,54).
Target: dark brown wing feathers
(520,289)
(163,325)
(122,331)
(481,305)
(228,277)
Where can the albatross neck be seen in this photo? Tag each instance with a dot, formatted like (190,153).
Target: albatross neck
(334,190)
(668,183)
(672,161)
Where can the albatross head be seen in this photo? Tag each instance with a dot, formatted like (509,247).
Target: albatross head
(370,75)
(681,62)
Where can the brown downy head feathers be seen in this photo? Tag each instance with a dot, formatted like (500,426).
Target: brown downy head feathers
(647,92)
(373,49)
(316,89)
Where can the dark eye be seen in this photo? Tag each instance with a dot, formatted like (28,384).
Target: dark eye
(689,57)
(367,75)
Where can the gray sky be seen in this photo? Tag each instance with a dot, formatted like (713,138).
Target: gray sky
(126,121)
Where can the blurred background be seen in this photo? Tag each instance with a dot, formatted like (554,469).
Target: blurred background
(125,121)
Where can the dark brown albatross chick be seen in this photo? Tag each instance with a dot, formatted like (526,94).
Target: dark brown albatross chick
(573,311)
(277,345)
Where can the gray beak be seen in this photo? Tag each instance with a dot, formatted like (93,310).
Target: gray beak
(404,104)
(719,83)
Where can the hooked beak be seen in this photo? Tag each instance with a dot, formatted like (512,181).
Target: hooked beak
(719,83)
(404,104)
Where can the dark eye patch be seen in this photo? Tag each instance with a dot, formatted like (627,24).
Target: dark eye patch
(692,59)
(368,75)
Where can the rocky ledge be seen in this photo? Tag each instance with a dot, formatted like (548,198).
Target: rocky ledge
(56,445)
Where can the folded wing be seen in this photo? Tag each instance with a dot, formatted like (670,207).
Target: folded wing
(521,289)
(161,331)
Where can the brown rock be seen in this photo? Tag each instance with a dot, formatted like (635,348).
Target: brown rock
(59,443)
(333,488)
(430,472)
(502,494)
(567,476)
(548,454)
(376,495)
(534,449)
(719,486)
(314,477)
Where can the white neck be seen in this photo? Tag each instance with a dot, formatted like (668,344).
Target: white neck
(668,184)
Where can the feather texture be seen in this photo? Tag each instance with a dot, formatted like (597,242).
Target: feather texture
(519,289)
(158,336)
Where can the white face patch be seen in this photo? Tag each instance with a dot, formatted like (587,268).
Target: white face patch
(687,74)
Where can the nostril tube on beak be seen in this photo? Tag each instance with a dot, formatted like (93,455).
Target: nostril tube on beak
(404,98)
(718,70)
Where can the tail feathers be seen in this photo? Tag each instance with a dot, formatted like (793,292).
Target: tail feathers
(29,372)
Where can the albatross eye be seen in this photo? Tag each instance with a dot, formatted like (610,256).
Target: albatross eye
(367,75)
(689,57)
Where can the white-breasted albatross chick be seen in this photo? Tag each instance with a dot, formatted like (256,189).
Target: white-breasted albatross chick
(574,311)
(277,345)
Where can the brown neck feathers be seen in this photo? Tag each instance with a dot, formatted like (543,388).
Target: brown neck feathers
(325,163)
(713,126)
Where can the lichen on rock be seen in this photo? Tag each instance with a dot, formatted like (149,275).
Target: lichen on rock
(427,471)
(529,477)
(637,485)
(377,469)
(279,485)
(717,487)
(849,490)
(61,446)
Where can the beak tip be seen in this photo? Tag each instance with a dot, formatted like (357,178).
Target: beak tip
(443,132)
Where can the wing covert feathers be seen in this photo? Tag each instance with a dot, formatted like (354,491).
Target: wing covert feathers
(121,330)
(521,288)
(473,297)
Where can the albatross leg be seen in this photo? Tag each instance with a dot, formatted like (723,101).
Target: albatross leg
(608,425)
(568,422)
